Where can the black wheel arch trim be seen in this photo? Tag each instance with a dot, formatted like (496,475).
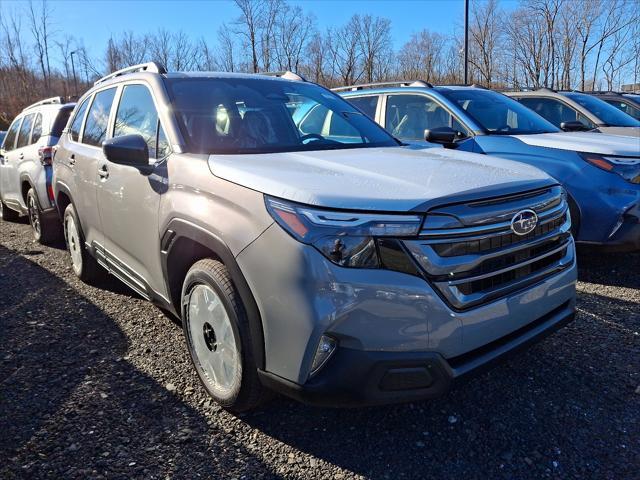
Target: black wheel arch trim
(178,228)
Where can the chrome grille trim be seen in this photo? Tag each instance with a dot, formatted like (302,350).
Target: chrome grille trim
(474,262)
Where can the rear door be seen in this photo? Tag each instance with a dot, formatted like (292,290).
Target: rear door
(554,110)
(8,158)
(129,197)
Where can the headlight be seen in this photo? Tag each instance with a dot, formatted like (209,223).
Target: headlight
(627,167)
(348,239)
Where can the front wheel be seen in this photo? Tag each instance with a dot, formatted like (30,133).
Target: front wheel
(216,329)
(83,264)
(45,230)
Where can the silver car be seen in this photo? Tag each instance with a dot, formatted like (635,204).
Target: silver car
(25,166)
(305,250)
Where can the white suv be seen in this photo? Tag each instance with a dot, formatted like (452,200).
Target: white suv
(25,166)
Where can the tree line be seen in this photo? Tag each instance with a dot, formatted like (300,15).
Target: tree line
(563,44)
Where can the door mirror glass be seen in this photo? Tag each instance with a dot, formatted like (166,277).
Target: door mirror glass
(573,126)
(127,150)
(443,135)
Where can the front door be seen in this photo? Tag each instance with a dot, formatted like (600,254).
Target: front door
(129,197)
(8,166)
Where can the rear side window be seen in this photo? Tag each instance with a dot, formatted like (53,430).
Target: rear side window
(137,114)
(25,131)
(37,128)
(366,104)
(95,129)
(77,121)
(61,121)
(10,139)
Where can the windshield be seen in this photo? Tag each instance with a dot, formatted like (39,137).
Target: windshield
(240,115)
(608,114)
(498,114)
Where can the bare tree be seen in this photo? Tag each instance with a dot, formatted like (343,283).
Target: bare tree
(248,27)
(293,29)
(374,42)
(422,57)
(486,36)
(226,59)
(39,22)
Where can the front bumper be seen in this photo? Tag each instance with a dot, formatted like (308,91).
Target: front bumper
(359,378)
(626,236)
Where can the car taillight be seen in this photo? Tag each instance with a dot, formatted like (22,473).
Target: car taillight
(46,155)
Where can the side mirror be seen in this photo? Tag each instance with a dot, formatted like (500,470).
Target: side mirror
(127,150)
(573,126)
(445,136)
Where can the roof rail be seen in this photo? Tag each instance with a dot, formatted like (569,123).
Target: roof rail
(46,101)
(153,67)
(546,89)
(402,83)
(287,75)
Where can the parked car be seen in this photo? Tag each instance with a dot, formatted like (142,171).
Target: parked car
(626,102)
(577,111)
(25,166)
(327,262)
(601,173)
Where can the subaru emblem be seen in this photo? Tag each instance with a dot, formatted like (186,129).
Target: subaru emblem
(524,222)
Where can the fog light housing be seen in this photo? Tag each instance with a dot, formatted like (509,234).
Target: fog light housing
(324,350)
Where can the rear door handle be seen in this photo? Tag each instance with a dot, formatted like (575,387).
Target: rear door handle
(21,156)
(103,172)
(72,160)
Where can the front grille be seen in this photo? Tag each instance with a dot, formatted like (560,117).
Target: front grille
(477,258)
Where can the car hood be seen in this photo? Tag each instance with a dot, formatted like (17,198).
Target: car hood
(378,179)
(590,142)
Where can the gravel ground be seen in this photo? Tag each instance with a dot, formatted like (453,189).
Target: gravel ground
(96,383)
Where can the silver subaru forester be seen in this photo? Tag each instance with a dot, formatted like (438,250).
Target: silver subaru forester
(304,248)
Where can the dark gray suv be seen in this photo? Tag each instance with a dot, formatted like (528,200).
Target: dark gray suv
(304,249)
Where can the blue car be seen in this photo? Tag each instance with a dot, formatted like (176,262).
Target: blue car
(600,172)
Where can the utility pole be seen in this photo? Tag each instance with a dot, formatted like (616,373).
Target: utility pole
(466,42)
(73,70)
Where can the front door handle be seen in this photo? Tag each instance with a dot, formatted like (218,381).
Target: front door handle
(21,156)
(103,172)
(72,160)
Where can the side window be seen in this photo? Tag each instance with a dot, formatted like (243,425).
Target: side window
(10,139)
(339,127)
(366,104)
(95,129)
(137,114)
(61,121)
(76,125)
(313,121)
(37,129)
(408,116)
(25,131)
(554,110)
(626,108)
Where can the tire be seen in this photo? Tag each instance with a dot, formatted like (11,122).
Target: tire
(83,264)
(7,214)
(574,211)
(219,338)
(45,230)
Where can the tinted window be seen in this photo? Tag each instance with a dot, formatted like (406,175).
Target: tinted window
(137,115)
(10,139)
(95,129)
(626,108)
(76,125)
(555,111)
(37,129)
(366,104)
(408,116)
(240,115)
(25,131)
(497,114)
(61,121)
(608,114)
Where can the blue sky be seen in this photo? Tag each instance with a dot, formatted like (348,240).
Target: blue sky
(94,21)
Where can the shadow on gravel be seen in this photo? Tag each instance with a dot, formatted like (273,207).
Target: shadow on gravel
(566,408)
(72,407)
(614,269)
